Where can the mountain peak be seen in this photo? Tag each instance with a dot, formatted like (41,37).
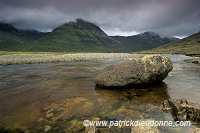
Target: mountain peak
(8,28)
(149,33)
(80,24)
(85,25)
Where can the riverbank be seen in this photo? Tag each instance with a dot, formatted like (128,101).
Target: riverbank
(45,58)
(58,97)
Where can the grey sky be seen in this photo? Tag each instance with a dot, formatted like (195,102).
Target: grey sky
(126,17)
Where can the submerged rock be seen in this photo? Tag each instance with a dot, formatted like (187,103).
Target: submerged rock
(145,129)
(111,117)
(47,128)
(141,71)
(196,131)
(183,110)
(195,60)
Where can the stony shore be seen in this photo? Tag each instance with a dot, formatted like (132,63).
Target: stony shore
(44,58)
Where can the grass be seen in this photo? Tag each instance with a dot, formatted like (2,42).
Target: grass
(10,53)
(8,40)
(187,46)
(13,52)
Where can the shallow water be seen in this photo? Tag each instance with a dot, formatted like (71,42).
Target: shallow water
(62,95)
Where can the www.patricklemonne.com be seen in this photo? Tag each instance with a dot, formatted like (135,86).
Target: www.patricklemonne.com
(130,123)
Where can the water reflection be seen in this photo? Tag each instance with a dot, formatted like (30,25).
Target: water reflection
(156,93)
(62,95)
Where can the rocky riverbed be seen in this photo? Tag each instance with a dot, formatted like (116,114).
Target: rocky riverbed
(44,58)
(58,97)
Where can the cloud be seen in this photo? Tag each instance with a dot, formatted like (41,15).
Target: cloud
(167,17)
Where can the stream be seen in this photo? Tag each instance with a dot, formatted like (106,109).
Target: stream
(58,97)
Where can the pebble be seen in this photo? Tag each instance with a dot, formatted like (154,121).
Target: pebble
(47,128)
(44,58)
(49,115)
(111,117)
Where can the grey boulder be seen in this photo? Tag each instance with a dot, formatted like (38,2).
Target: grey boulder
(139,71)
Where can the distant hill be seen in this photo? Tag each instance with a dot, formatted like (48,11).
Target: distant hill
(31,34)
(11,37)
(78,36)
(8,28)
(9,40)
(144,41)
(189,45)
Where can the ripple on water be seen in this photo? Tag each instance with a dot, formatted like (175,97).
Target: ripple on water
(62,95)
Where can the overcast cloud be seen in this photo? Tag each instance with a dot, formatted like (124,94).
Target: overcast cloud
(122,17)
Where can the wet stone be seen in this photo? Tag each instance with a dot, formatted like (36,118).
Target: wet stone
(111,117)
(49,115)
(47,128)
(145,129)
(196,131)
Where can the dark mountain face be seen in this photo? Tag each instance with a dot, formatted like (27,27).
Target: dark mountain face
(8,28)
(32,34)
(144,41)
(10,37)
(84,25)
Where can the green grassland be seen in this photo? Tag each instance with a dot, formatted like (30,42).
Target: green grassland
(187,46)
(10,53)
(8,40)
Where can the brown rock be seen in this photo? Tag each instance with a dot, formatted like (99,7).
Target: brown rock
(183,110)
(145,129)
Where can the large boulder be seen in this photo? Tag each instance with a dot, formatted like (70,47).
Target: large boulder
(140,71)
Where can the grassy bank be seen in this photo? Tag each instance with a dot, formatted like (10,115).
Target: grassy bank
(11,53)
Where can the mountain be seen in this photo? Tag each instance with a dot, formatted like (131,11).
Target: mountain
(144,41)
(78,36)
(189,45)
(9,40)
(8,28)
(11,37)
(32,34)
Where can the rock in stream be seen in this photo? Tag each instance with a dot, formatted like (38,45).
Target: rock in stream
(183,110)
(139,71)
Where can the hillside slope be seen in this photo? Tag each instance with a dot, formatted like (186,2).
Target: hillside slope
(79,36)
(11,37)
(9,40)
(144,41)
(189,45)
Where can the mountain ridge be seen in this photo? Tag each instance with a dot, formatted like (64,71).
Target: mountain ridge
(78,36)
(144,41)
(189,46)
(81,36)
(12,37)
